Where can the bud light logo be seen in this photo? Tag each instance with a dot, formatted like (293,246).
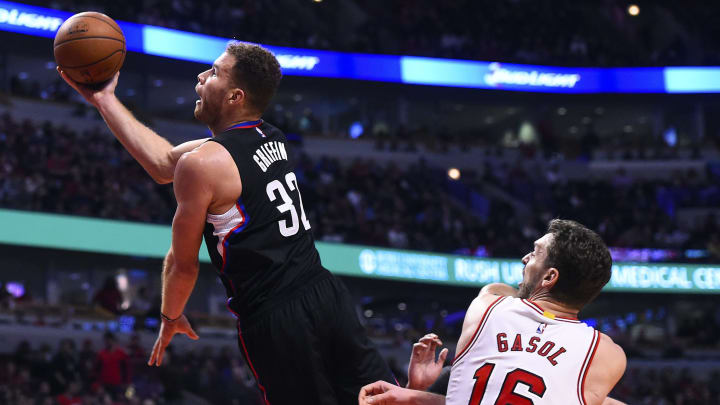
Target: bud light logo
(498,76)
(29,20)
(298,61)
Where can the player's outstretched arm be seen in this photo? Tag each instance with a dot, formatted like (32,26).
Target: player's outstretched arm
(154,153)
(193,193)
(384,393)
(607,367)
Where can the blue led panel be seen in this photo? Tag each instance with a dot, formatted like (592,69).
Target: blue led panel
(200,48)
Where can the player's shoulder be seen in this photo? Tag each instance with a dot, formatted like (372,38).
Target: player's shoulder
(609,354)
(485,300)
(203,161)
(607,367)
(480,304)
(209,154)
(492,293)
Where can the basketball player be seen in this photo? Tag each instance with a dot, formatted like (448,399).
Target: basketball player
(527,346)
(296,324)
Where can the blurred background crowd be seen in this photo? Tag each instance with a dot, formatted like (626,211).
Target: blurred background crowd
(672,360)
(52,168)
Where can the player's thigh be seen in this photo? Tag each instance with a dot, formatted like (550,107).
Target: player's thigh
(283,352)
(359,362)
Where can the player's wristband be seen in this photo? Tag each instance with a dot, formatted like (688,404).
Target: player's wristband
(168,319)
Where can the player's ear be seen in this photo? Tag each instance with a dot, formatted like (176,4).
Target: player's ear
(551,277)
(236,96)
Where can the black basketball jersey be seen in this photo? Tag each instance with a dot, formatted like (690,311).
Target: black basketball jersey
(263,247)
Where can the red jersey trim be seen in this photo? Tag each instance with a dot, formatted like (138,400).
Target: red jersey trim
(482,323)
(586,366)
(247,357)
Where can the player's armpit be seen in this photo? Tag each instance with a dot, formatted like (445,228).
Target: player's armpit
(606,369)
(610,401)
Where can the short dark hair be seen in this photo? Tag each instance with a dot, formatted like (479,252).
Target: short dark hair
(581,258)
(257,71)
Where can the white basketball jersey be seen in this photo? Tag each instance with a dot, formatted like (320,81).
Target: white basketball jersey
(522,355)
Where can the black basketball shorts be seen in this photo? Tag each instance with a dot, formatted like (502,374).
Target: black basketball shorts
(312,349)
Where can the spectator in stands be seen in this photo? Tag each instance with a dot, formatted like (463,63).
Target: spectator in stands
(71,396)
(66,365)
(109,298)
(113,366)
(713,246)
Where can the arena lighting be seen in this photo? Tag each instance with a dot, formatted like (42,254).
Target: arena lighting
(14,288)
(454,173)
(356,130)
(633,10)
(169,43)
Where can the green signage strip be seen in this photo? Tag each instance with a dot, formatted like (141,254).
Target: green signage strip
(136,239)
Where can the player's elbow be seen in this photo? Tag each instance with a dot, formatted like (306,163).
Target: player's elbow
(158,172)
(187,268)
(159,179)
(163,171)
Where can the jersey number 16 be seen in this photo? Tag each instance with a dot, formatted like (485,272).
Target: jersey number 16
(276,187)
(507,396)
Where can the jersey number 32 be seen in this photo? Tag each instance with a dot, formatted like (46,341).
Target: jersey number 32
(275,187)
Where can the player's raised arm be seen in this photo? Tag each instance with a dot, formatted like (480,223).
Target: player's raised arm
(154,153)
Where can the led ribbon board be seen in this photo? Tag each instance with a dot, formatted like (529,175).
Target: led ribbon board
(200,48)
(137,239)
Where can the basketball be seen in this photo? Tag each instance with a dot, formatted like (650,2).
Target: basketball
(89,47)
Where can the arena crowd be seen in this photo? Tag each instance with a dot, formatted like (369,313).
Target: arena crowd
(53,168)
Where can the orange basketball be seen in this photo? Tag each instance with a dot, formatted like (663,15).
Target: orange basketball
(89,47)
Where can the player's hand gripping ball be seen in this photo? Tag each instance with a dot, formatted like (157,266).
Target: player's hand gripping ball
(89,47)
